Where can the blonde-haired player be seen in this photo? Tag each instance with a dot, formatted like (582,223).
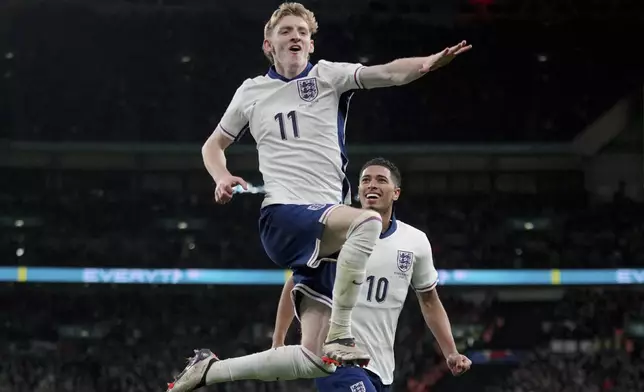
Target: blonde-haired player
(297,113)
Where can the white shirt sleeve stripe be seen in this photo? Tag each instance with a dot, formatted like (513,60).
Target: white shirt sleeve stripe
(426,288)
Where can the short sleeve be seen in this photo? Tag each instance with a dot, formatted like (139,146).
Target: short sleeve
(342,76)
(234,122)
(424,276)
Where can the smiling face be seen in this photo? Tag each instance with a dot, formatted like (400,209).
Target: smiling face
(378,189)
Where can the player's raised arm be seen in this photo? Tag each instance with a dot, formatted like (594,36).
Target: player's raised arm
(285,314)
(424,281)
(231,128)
(406,70)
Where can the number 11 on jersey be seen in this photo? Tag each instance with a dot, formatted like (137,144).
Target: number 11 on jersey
(279,117)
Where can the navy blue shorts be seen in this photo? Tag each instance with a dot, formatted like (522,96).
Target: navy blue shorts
(351,379)
(291,236)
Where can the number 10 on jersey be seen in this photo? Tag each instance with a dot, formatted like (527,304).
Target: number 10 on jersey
(279,117)
(381,287)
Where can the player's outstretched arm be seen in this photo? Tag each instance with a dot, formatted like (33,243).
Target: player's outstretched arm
(285,314)
(214,159)
(403,71)
(436,318)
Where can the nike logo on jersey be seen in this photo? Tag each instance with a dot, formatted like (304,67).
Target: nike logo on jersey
(357,283)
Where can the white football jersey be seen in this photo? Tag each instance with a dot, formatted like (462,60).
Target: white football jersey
(402,257)
(299,128)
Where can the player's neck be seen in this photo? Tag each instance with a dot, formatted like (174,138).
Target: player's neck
(386,220)
(290,72)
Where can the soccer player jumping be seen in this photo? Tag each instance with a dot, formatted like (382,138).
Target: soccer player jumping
(297,114)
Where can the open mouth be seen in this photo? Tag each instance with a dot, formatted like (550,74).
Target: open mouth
(295,48)
(372,196)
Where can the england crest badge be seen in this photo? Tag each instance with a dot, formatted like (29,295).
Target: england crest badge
(405,260)
(358,387)
(308,89)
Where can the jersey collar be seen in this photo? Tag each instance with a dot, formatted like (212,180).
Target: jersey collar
(393,225)
(272,73)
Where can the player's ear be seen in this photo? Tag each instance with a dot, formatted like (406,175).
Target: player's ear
(396,194)
(311,47)
(267,47)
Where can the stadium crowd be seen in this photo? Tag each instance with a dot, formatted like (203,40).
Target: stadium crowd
(77,224)
(579,372)
(130,339)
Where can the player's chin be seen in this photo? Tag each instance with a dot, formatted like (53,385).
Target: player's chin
(373,205)
(297,58)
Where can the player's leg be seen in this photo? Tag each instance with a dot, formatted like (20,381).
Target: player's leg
(291,237)
(314,320)
(346,379)
(282,363)
(356,232)
(317,284)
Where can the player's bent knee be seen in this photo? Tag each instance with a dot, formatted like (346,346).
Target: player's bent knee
(368,224)
(341,218)
(361,239)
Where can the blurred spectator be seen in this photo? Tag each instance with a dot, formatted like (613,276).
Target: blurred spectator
(132,338)
(119,224)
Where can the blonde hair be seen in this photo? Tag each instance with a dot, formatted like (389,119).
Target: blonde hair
(287,9)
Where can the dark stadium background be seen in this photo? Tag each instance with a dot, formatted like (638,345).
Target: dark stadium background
(525,155)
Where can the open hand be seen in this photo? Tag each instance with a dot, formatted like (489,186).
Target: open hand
(445,57)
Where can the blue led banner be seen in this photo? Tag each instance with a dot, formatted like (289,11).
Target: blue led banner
(278,277)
